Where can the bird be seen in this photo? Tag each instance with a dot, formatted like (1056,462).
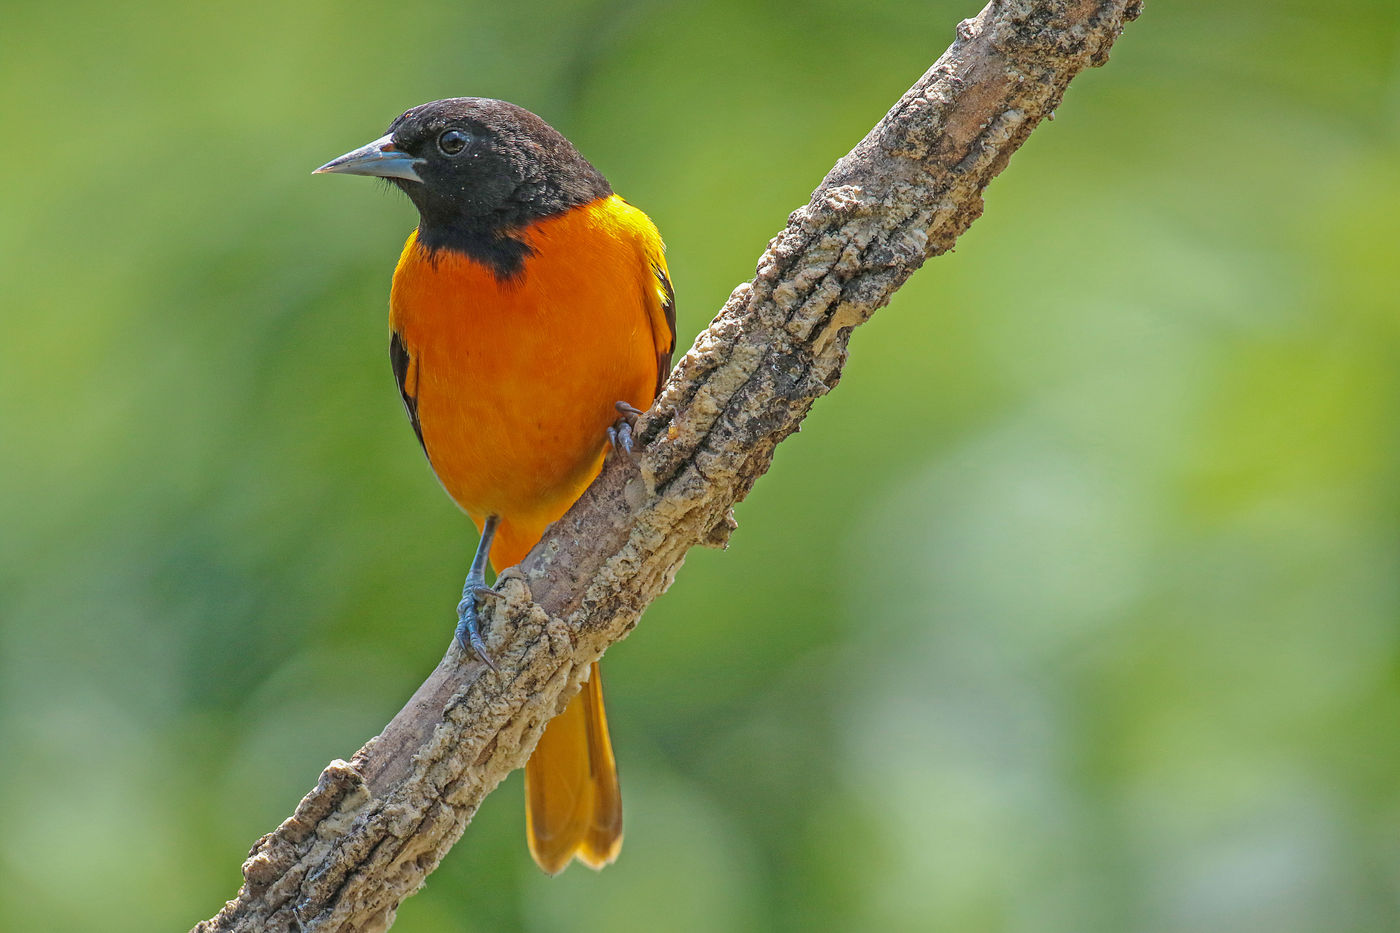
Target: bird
(532,318)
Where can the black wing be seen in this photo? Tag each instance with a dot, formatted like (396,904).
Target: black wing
(408,389)
(668,307)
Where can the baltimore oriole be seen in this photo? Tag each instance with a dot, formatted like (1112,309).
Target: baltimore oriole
(529,310)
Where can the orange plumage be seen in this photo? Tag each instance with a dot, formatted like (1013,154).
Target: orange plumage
(515,379)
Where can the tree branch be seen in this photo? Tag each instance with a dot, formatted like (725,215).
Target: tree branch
(373,828)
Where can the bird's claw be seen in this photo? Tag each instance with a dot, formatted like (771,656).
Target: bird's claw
(468,634)
(620,432)
(620,437)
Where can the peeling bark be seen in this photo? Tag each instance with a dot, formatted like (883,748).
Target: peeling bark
(374,827)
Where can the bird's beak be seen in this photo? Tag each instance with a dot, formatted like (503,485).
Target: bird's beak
(379,159)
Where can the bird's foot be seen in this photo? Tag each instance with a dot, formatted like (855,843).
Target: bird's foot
(620,431)
(468,632)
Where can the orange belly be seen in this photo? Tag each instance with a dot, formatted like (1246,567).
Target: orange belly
(516,380)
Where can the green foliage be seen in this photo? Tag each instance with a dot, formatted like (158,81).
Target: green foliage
(1074,609)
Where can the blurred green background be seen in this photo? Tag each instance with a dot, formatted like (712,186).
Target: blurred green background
(1074,609)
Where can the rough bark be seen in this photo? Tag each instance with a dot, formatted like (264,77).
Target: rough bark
(374,827)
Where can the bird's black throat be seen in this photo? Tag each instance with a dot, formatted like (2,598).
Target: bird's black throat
(501,250)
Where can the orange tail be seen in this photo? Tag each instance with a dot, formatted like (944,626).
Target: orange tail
(572,803)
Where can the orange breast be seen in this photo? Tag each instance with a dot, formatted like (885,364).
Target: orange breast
(516,380)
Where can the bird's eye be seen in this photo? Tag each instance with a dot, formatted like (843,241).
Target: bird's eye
(453,142)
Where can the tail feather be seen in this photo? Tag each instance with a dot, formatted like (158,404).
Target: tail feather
(573,806)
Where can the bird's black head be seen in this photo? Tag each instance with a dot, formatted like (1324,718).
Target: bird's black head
(479,171)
